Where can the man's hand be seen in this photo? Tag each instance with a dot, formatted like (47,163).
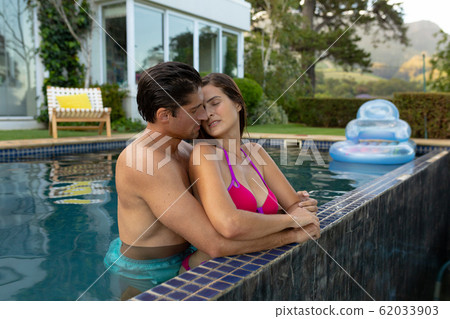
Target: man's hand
(306,202)
(303,234)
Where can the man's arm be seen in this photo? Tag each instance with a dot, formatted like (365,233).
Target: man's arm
(299,235)
(284,237)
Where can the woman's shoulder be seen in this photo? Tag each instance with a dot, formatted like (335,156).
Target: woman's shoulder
(204,147)
(252,148)
(206,154)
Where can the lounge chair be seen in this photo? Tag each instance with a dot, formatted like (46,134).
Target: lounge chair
(77,105)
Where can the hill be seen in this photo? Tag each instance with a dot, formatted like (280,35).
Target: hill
(389,57)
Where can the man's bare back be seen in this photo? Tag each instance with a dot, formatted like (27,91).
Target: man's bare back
(138,226)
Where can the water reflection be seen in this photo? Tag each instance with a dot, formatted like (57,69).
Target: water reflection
(312,175)
(52,247)
(81,183)
(359,173)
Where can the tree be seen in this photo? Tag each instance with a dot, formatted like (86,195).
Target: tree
(314,30)
(441,63)
(17,41)
(268,62)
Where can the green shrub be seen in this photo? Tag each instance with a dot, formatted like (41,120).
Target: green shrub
(413,107)
(267,113)
(112,96)
(251,92)
(127,125)
(43,115)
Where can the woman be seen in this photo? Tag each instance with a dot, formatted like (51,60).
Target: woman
(231,178)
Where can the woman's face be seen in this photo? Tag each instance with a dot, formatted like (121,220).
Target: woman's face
(222,112)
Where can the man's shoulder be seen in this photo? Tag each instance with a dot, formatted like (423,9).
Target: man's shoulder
(147,164)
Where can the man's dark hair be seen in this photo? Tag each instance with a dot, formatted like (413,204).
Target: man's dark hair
(167,85)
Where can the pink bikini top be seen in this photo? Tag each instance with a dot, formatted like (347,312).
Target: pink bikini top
(244,199)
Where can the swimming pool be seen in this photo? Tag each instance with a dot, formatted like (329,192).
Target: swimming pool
(59,215)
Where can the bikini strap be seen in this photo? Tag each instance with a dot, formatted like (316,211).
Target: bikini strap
(233,177)
(256,169)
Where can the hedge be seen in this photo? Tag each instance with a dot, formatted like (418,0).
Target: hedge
(412,108)
(436,106)
(325,112)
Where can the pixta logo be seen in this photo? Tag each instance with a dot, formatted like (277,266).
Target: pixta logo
(148,151)
(141,149)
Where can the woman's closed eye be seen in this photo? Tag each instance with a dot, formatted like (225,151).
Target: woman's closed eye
(214,101)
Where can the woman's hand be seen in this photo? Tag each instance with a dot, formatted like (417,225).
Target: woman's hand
(306,202)
(302,217)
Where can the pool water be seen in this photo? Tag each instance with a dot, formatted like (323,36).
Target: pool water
(58,217)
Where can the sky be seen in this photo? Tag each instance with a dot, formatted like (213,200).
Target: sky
(437,11)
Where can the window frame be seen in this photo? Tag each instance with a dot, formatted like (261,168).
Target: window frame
(166,12)
(155,9)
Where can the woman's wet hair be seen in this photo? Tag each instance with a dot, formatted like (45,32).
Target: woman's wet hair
(166,85)
(230,89)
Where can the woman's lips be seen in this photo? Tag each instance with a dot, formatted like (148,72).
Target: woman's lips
(213,123)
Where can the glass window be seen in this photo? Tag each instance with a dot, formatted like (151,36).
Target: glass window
(229,53)
(208,49)
(115,24)
(149,49)
(17,60)
(181,40)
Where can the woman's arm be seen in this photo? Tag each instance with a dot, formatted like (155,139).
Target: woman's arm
(287,197)
(211,190)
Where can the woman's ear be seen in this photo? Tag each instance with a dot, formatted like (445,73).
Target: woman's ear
(162,114)
(238,107)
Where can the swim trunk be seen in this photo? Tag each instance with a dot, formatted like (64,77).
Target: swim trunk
(155,271)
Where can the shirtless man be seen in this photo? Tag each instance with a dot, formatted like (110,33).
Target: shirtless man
(158,217)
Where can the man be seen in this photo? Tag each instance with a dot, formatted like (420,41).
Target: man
(158,217)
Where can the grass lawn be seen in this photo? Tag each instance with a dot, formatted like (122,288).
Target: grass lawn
(295,129)
(269,128)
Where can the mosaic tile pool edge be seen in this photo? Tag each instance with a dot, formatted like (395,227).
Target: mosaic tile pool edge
(22,154)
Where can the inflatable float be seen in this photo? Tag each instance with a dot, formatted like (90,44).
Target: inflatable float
(376,136)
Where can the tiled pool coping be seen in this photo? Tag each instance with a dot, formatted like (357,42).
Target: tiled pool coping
(22,150)
(217,277)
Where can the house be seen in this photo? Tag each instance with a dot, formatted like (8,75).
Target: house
(128,37)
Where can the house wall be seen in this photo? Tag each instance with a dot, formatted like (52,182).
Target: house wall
(229,15)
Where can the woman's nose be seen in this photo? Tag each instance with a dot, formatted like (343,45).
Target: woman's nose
(209,111)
